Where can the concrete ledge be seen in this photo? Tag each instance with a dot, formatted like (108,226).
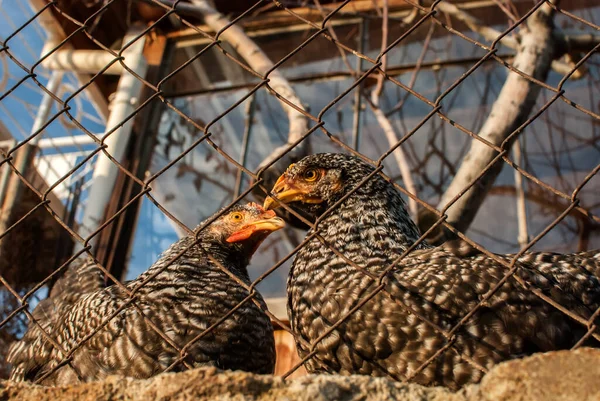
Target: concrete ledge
(562,375)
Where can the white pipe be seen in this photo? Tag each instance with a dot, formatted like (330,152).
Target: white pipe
(45,105)
(80,61)
(41,118)
(78,140)
(123,104)
(22,163)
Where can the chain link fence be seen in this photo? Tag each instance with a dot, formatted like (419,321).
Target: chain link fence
(464,104)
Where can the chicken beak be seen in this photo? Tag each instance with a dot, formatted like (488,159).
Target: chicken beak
(267,224)
(285,192)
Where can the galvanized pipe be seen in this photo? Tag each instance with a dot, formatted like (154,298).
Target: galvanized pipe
(80,61)
(56,142)
(10,190)
(123,104)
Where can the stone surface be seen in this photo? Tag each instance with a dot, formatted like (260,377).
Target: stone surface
(561,375)
(564,375)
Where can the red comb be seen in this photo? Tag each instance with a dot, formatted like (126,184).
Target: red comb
(256,205)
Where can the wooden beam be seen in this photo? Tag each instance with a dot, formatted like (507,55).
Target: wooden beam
(287,355)
(4,132)
(280,21)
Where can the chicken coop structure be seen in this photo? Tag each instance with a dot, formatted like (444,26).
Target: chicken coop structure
(126,123)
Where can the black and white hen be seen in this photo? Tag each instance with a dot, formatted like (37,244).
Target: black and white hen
(397,331)
(182,297)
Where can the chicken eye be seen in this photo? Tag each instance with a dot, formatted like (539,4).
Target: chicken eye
(311,175)
(236,217)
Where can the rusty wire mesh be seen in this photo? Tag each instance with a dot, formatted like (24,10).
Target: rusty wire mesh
(322,28)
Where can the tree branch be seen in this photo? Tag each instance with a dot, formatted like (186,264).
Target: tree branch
(512,108)
(385,123)
(580,42)
(260,62)
(476,25)
(571,43)
(523,237)
(550,202)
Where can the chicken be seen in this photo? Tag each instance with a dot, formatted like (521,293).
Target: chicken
(356,307)
(194,284)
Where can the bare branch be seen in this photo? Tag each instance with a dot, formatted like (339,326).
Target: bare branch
(385,123)
(550,202)
(512,108)
(580,42)
(260,62)
(476,25)
(523,237)
(511,42)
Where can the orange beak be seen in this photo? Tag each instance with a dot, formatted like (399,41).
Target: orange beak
(285,192)
(268,223)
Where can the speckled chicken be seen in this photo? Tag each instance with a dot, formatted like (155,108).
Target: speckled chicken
(397,331)
(81,278)
(182,297)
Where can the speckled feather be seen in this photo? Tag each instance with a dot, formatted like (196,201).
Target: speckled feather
(183,300)
(385,337)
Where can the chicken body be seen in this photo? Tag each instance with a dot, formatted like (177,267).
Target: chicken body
(368,313)
(181,298)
